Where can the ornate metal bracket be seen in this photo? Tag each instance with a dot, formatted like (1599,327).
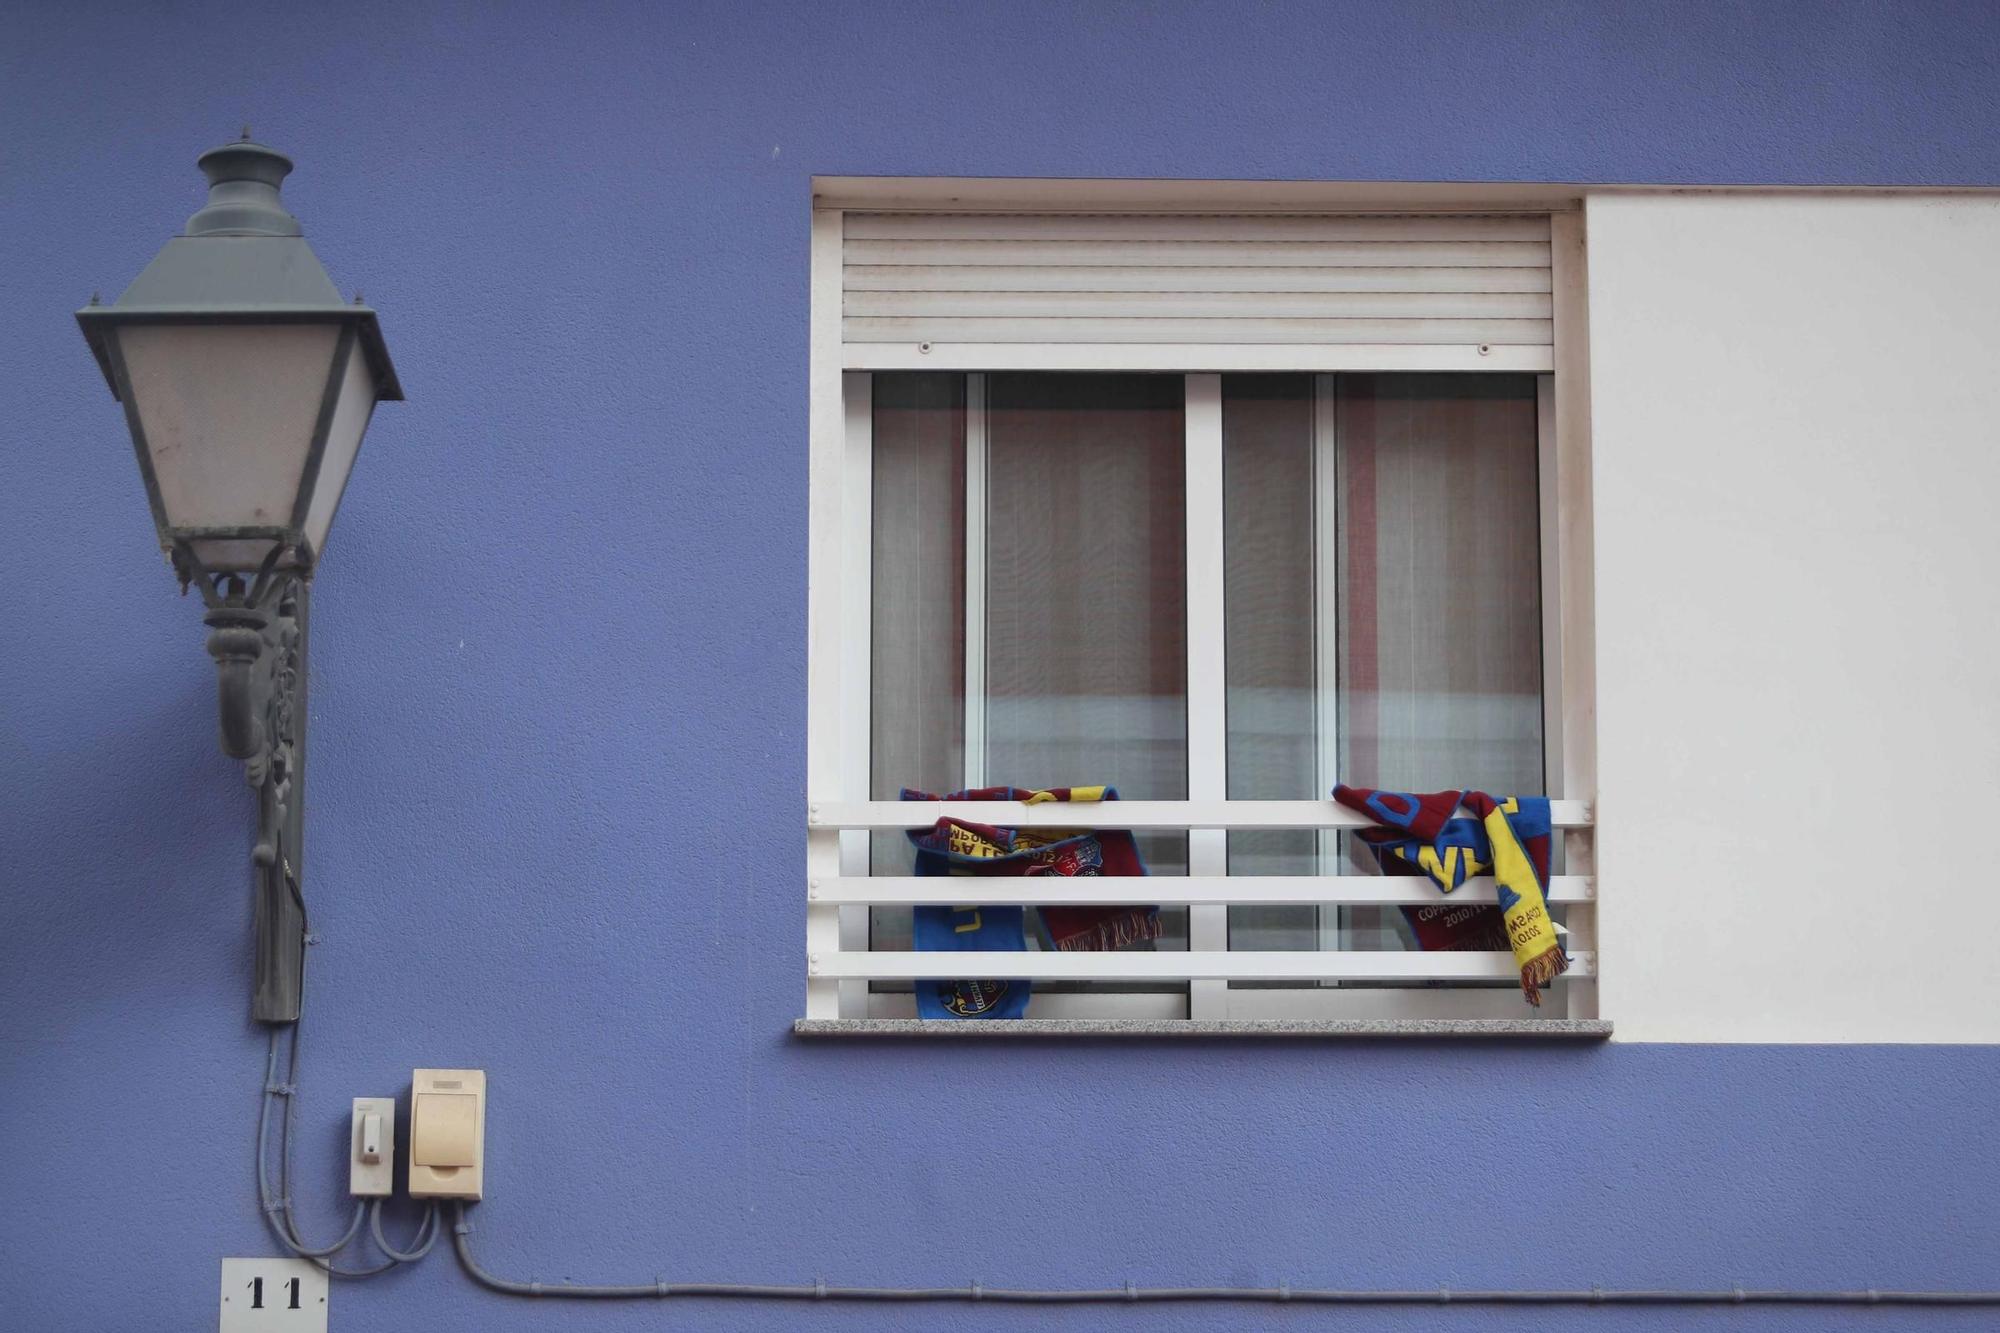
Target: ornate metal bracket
(258,639)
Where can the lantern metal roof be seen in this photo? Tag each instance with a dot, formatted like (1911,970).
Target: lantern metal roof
(243,258)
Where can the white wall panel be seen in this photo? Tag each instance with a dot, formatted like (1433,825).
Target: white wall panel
(1797,459)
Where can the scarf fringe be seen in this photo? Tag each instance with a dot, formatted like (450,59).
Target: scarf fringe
(1113,933)
(1540,971)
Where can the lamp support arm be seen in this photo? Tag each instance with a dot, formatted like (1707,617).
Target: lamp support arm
(257,636)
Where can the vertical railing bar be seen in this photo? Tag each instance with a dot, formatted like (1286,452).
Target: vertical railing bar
(1551,586)
(1207,685)
(857,664)
(1545,450)
(1326,624)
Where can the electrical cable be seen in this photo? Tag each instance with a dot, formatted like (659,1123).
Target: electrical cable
(305,1251)
(1130,1293)
(278,1211)
(289,1090)
(427,1234)
(305,924)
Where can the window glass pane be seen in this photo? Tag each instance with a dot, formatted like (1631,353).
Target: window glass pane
(1440,632)
(917,676)
(1435,574)
(1086,577)
(1268,599)
(1078,565)
(1441,611)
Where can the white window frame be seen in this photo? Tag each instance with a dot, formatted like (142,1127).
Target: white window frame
(840,815)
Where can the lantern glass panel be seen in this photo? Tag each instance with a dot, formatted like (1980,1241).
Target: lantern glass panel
(343,440)
(228,413)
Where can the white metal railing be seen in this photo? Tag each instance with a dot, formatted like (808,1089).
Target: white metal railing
(1231,815)
(829,892)
(1188,965)
(1205,890)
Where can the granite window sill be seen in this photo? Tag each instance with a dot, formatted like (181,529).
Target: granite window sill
(1557,1029)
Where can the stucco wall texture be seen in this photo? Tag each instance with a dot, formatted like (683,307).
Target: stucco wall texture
(562,618)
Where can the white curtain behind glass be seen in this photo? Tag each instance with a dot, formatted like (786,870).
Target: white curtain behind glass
(1083,640)
(1440,615)
(1086,578)
(1270,624)
(918,595)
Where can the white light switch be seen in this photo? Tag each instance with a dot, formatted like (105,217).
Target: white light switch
(447,1133)
(371,1166)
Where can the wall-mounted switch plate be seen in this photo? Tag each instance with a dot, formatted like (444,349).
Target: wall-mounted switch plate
(273,1296)
(447,1133)
(371,1149)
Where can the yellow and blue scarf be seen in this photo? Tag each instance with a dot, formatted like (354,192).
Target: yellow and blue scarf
(1423,835)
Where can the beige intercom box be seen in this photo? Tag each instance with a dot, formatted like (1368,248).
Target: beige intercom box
(447,1133)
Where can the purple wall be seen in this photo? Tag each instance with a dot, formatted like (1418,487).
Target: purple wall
(566,597)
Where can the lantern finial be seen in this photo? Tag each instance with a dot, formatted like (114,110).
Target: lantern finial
(243,180)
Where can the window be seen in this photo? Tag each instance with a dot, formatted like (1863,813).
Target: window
(1161,524)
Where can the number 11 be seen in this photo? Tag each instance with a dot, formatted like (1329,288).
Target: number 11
(257,1293)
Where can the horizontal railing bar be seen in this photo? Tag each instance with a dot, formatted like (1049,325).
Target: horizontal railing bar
(1234,890)
(1387,965)
(1121,814)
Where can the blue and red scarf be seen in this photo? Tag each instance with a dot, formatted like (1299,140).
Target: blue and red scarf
(1424,835)
(960,847)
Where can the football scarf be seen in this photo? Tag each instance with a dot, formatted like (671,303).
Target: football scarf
(960,847)
(1424,835)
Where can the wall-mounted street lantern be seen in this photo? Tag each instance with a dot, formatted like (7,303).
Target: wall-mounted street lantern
(247,385)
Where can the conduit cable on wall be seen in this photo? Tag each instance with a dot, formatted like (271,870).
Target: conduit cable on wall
(975,1292)
(277,1210)
(427,1234)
